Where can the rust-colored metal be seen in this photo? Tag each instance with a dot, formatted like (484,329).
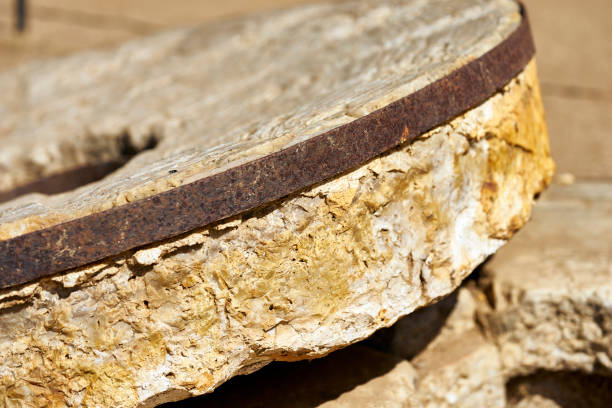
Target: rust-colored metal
(185,208)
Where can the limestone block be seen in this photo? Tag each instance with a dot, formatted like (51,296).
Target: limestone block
(297,278)
(552,288)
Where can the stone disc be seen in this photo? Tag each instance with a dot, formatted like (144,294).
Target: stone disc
(202,172)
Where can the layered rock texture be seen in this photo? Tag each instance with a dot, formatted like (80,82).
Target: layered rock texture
(295,279)
(532,328)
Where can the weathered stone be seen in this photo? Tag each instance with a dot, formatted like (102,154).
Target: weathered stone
(547,307)
(458,368)
(296,279)
(551,288)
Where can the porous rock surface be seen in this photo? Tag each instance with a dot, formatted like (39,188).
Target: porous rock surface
(292,280)
(535,328)
(298,279)
(552,288)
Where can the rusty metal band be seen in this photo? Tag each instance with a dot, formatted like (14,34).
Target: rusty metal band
(101,235)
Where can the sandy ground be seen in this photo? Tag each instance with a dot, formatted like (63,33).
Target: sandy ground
(574,43)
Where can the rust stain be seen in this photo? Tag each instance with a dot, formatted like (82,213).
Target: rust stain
(490,186)
(405,135)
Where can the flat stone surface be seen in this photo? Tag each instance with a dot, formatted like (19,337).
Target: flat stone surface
(572,41)
(61,27)
(579,134)
(575,56)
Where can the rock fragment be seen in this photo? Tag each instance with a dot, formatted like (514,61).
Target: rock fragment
(547,389)
(551,288)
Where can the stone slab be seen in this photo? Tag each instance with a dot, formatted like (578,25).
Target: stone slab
(552,287)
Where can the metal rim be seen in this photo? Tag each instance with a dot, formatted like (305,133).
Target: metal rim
(177,211)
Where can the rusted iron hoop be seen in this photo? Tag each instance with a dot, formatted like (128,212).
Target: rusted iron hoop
(182,209)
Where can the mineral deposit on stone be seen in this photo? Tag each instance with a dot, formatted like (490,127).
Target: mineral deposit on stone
(295,279)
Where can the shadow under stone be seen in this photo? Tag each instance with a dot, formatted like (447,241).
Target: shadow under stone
(303,384)
(565,389)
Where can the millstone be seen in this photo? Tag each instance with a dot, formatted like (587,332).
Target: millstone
(299,179)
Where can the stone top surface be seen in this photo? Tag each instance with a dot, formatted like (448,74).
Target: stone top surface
(219,95)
